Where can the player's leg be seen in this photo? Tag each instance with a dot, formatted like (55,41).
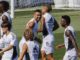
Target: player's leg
(43,50)
(43,55)
(50,47)
(50,57)
(65,57)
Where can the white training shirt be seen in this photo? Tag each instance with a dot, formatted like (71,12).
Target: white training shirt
(49,24)
(11,39)
(22,41)
(33,50)
(68,44)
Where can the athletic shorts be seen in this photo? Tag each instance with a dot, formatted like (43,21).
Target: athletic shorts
(70,55)
(48,44)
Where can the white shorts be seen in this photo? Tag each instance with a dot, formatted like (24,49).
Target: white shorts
(48,44)
(70,55)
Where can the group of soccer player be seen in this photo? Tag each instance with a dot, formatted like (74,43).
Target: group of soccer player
(29,45)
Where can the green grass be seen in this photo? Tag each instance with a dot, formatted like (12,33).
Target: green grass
(21,19)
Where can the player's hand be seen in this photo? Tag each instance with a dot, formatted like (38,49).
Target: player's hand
(59,46)
(1,53)
(19,59)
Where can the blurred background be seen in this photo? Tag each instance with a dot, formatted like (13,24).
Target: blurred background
(56,3)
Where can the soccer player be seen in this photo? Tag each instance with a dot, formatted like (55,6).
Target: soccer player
(5,16)
(31,46)
(32,25)
(48,25)
(69,39)
(10,50)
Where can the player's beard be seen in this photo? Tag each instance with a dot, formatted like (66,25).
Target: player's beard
(62,25)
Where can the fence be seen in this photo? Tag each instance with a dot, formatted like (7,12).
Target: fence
(58,3)
(67,3)
(31,3)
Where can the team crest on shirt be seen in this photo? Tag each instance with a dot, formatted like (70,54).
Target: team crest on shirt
(47,43)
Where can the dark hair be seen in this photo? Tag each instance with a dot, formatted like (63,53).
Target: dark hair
(67,19)
(6,24)
(49,7)
(38,11)
(5,5)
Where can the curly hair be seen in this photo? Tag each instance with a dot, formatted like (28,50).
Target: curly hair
(28,32)
(5,5)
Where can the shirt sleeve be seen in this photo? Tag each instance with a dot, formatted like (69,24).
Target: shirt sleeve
(13,40)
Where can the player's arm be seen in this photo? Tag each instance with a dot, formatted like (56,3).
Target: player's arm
(30,24)
(4,18)
(11,45)
(71,37)
(7,48)
(24,49)
(56,25)
(60,46)
(42,21)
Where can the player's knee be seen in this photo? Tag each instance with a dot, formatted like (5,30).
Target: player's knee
(50,57)
(43,54)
